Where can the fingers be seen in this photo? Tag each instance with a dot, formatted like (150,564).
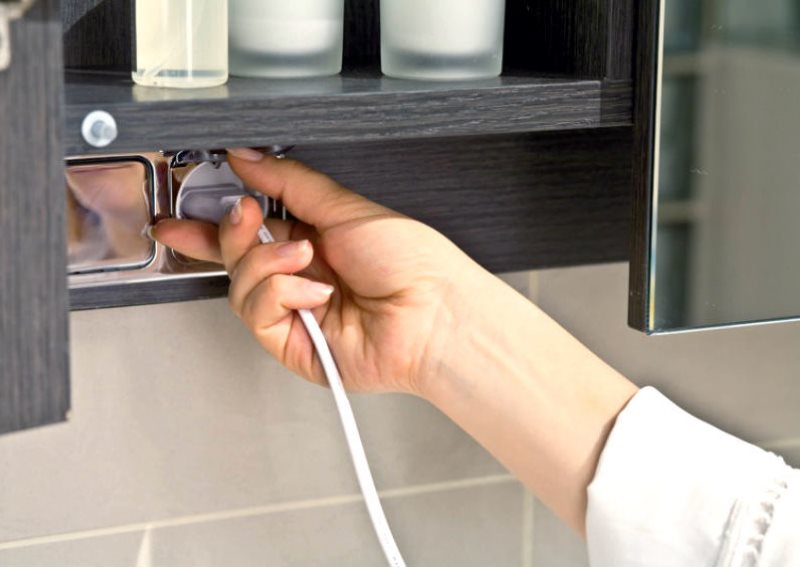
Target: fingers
(272,302)
(311,196)
(262,262)
(200,240)
(194,239)
(238,231)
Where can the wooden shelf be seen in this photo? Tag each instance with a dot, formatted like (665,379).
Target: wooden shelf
(352,107)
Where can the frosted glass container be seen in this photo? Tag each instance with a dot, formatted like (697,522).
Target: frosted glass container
(286,38)
(442,39)
(181,43)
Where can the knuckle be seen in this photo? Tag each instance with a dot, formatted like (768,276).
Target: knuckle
(249,313)
(274,286)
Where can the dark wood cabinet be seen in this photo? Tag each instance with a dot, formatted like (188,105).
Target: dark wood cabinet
(34,368)
(529,170)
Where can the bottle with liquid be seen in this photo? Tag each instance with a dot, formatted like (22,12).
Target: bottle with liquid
(442,39)
(286,38)
(181,43)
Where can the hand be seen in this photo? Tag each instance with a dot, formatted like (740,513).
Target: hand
(410,312)
(386,290)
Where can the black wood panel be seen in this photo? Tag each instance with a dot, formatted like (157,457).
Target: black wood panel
(144,293)
(338,109)
(512,202)
(362,38)
(643,154)
(97,34)
(34,379)
(557,36)
(620,40)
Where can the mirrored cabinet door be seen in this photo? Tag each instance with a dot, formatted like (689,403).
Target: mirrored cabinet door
(718,165)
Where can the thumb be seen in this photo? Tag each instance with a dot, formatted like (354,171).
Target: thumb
(312,197)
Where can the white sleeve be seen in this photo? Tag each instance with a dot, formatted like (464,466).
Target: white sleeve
(673,491)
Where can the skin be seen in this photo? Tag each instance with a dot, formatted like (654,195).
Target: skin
(406,311)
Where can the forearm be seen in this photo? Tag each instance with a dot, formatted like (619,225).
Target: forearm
(533,396)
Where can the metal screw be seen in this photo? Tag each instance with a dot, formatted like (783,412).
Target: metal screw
(99,129)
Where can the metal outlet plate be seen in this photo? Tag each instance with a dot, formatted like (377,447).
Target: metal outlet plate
(107,191)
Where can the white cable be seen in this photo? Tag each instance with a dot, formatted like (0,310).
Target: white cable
(365,481)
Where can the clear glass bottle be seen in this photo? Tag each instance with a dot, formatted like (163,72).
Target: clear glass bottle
(286,38)
(442,39)
(181,43)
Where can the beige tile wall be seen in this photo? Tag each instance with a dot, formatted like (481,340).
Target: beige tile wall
(184,430)
(745,380)
(188,446)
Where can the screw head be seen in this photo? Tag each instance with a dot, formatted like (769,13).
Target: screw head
(99,129)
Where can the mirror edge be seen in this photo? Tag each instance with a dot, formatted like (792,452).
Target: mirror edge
(644,117)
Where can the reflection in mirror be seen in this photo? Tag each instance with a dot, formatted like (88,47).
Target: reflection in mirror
(726,241)
(109,206)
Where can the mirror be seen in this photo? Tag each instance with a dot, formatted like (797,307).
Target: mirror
(718,194)
(109,205)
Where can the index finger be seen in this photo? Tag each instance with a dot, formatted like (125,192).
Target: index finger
(312,197)
(200,240)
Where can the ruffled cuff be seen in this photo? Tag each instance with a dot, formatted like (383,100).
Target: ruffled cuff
(671,490)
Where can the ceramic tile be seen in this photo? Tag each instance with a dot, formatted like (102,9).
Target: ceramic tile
(125,550)
(478,526)
(554,544)
(176,411)
(742,380)
(522,282)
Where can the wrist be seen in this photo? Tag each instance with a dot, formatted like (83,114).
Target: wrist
(531,394)
(480,333)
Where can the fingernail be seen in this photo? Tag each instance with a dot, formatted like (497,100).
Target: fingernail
(247,154)
(236,213)
(319,289)
(149,232)
(293,248)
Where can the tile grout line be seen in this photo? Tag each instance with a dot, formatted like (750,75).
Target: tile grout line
(297,505)
(528,526)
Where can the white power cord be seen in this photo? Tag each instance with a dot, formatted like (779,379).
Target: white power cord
(365,481)
(207,193)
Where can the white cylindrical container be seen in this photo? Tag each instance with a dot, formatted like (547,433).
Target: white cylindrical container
(286,38)
(181,43)
(442,39)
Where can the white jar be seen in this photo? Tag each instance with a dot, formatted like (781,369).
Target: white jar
(181,43)
(286,38)
(442,39)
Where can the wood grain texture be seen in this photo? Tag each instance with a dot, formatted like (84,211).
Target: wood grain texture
(513,202)
(338,110)
(643,154)
(97,34)
(362,35)
(34,379)
(151,293)
(619,53)
(565,37)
